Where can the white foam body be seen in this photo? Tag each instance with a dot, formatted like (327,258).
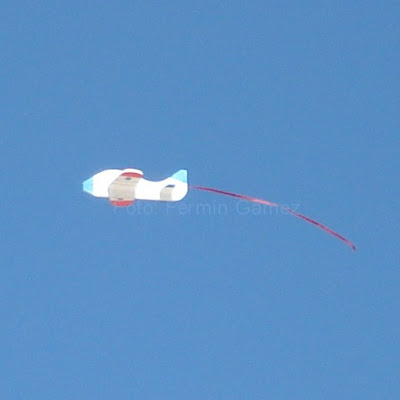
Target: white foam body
(145,190)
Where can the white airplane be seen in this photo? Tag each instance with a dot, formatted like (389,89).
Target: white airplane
(123,187)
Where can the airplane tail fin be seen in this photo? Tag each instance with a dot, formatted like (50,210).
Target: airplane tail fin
(181,175)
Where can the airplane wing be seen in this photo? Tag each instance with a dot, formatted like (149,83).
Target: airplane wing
(121,191)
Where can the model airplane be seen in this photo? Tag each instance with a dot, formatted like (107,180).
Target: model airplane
(123,187)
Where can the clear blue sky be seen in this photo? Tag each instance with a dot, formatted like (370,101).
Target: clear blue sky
(295,102)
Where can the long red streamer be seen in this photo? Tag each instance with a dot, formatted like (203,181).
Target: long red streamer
(269,203)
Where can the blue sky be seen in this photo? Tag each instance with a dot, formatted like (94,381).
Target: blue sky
(294,102)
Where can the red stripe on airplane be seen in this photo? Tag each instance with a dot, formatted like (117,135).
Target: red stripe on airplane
(132,174)
(121,203)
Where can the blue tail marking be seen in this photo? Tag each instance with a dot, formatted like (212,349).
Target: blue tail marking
(181,175)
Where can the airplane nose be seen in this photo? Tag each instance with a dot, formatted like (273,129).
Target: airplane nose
(87,186)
